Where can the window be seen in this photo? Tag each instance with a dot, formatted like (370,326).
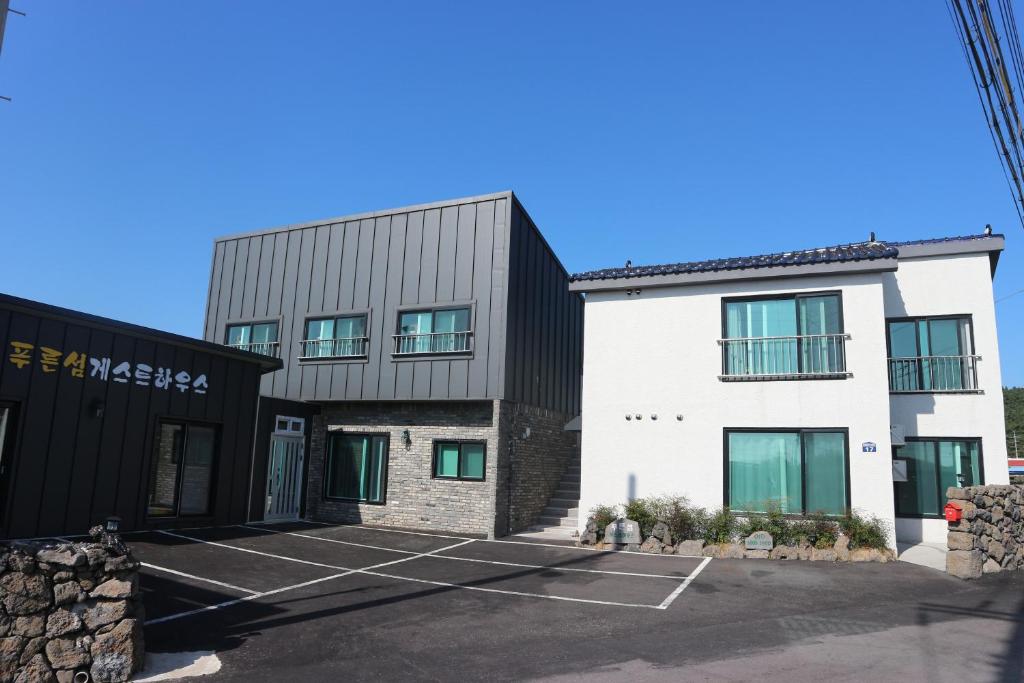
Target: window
(931,354)
(341,337)
(933,465)
(793,336)
(800,471)
(459,460)
(357,466)
(181,478)
(434,331)
(254,337)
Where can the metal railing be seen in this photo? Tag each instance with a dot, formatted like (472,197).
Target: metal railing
(433,342)
(342,347)
(933,374)
(263,348)
(808,355)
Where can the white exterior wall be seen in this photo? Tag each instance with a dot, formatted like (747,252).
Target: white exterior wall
(952,285)
(657,353)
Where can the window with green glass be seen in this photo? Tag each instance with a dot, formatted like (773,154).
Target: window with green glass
(798,471)
(459,460)
(800,334)
(931,354)
(339,337)
(932,466)
(357,466)
(434,331)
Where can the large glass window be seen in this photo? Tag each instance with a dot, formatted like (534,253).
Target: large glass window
(932,466)
(340,337)
(931,354)
(434,331)
(799,471)
(181,477)
(357,466)
(785,336)
(459,460)
(254,337)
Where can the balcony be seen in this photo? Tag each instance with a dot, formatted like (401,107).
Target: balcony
(933,374)
(272,349)
(432,343)
(808,356)
(342,347)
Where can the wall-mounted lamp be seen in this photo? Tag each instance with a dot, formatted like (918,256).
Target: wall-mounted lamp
(639,416)
(679,417)
(654,416)
(526,433)
(628,416)
(112,524)
(96,408)
(406,437)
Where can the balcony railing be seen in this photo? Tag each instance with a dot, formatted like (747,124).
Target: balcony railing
(434,342)
(262,348)
(933,374)
(794,357)
(342,347)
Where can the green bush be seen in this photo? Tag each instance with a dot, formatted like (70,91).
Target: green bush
(721,526)
(816,529)
(640,511)
(774,522)
(602,516)
(865,531)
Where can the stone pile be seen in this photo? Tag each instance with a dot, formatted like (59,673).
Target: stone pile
(68,608)
(660,542)
(989,537)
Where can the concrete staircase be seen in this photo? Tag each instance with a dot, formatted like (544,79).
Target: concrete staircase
(560,519)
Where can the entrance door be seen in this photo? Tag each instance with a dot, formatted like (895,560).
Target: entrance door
(6,448)
(285,468)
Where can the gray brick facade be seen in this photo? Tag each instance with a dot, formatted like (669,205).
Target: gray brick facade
(415,499)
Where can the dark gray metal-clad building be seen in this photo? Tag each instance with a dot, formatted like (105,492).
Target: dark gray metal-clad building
(431,355)
(101,418)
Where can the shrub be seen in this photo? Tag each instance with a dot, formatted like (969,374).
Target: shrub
(721,526)
(640,511)
(816,529)
(602,516)
(865,531)
(774,522)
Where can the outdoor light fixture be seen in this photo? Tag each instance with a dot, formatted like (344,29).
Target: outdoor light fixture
(112,524)
(679,417)
(628,416)
(406,437)
(639,416)
(654,416)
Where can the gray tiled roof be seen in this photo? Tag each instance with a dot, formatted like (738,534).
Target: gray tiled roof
(862,251)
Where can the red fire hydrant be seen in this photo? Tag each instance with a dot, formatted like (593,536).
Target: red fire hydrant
(953,513)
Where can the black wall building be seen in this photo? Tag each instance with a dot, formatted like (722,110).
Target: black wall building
(101,418)
(441,348)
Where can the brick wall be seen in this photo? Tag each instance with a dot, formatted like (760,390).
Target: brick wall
(538,461)
(414,499)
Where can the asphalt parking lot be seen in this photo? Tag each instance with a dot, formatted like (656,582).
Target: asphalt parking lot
(314,602)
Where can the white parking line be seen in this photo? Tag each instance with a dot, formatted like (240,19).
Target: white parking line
(675,594)
(228,603)
(674,577)
(197,578)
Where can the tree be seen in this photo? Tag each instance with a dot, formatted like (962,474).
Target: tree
(1013,404)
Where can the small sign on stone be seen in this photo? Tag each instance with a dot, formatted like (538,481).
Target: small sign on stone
(623,532)
(760,540)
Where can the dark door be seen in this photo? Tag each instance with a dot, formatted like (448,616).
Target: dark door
(7,423)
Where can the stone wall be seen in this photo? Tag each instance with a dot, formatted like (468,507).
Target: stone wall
(989,537)
(414,499)
(538,460)
(67,608)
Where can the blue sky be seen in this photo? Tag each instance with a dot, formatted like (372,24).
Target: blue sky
(662,132)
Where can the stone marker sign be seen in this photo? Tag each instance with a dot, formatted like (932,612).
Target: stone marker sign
(622,532)
(760,540)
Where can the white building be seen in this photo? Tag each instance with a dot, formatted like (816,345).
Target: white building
(810,379)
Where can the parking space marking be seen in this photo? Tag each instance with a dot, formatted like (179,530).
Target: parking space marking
(346,571)
(473,559)
(686,582)
(197,578)
(254,596)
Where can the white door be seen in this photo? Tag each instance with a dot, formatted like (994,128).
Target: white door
(285,468)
